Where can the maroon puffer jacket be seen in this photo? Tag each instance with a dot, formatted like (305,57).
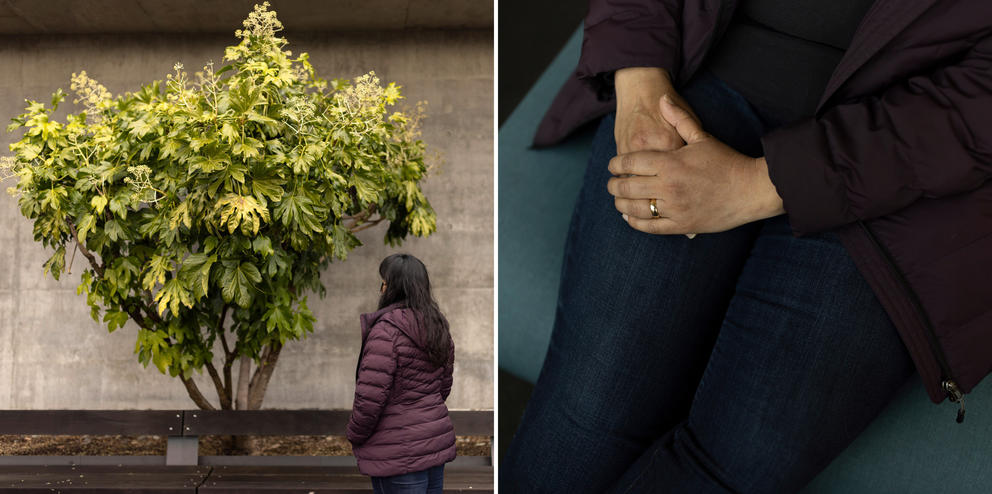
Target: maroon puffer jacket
(897,159)
(399,422)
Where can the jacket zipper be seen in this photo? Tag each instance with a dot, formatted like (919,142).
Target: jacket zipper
(948,383)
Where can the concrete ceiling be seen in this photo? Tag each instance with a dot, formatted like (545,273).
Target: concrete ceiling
(224,16)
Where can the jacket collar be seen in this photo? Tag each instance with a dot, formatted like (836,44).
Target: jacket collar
(368,320)
(886,19)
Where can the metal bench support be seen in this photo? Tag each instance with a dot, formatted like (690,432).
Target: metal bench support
(182,450)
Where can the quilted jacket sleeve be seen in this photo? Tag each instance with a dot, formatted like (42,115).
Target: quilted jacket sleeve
(375,381)
(927,137)
(449,368)
(630,33)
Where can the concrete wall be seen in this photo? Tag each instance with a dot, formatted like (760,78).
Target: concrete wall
(52,355)
(218,16)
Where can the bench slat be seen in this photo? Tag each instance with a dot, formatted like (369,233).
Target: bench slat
(255,480)
(95,422)
(157,479)
(266,422)
(203,422)
(306,422)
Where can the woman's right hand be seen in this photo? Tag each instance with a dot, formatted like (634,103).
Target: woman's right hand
(639,124)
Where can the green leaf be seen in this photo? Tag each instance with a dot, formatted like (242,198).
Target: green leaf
(114,230)
(197,143)
(228,132)
(115,319)
(276,263)
(238,281)
(268,187)
(262,245)
(209,244)
(161,360)
(209,164)
(278,317)
(181,214)
(158,266)
(241,211)
(172,294)
(195,272)
(86,224)
(98,203)
(118,205)
(54,197)
(56,263)
(249,148)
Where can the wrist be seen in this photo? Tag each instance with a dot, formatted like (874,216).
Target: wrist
(641,86)
(767,200)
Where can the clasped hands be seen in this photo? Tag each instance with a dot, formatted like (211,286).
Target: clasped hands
(700,184)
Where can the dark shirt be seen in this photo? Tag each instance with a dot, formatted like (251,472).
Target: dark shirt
(780,54)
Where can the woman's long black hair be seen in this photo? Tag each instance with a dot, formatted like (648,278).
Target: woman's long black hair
(407,282)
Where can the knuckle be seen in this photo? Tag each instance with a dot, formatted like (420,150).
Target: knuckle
(641,139)
(626,163)
(625,188)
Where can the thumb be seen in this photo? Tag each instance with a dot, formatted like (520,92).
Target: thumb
(685,124)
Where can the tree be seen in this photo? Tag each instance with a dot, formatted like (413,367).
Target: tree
(207,208)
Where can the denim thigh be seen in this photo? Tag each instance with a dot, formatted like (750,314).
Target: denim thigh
(805,359)
(423,482)
(636,319)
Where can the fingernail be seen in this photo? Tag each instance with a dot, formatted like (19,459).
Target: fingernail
(625,218)
(668,99)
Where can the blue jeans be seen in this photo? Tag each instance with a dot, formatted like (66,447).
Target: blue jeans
(741,361)
(430,481)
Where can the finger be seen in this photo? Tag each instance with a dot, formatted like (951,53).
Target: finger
(658,226)
(685,124)
(638,208)
(632,187)
(645,163)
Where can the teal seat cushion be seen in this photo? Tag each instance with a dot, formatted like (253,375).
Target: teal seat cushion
(537,191)
(912,447)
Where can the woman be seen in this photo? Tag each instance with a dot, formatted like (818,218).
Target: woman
(747,358)
(399,428)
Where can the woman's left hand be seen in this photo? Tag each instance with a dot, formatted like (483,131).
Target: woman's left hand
(702,187)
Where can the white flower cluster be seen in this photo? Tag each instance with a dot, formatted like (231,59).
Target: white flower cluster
(140,182)
(262,23)
(365,96)
(8,164)
(300,110)
(92,94)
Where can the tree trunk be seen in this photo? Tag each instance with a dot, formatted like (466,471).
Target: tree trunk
(260,381)
(240,444)
(251,389)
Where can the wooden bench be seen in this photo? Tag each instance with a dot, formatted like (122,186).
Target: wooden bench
(182,469)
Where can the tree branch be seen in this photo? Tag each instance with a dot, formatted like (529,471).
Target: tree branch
(225,401)
(220,329)
(243,375)
(89,255)
(228,354)
(260,381)
(149,307)
(195,394)
(134,312)
(365,226)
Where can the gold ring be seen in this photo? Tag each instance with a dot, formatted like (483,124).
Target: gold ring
(654,208)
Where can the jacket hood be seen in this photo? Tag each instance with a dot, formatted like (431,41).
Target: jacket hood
(397,315)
